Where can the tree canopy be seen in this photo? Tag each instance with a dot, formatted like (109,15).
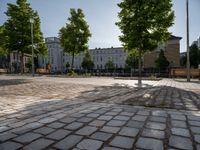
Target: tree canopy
(75,35)
(144,24)
(132,60)
(18,29)
(3,41)
(162,62)
(194,56)
(87,63)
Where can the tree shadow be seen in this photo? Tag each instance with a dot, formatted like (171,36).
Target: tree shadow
(13,82)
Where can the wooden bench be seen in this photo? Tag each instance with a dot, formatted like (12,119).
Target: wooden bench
(195,73)
(42,71)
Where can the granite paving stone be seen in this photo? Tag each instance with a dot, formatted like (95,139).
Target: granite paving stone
(89,144)
(139,118)
(110,129)
(127,131)
(148,143)
(44,130)
(116,123)
(58,134)
(111,148)
(68,142)
(104,117)
(10,145)
(197,138)
(74,126)
(87,130)
(26,138)
(180,132)
(153,133)
(38,144)
(122,142)
(135,124)
(156,125)
(56,125)
(101,136)
(97,123)
(180,124)
(6,136)
(180,142)
(178,117)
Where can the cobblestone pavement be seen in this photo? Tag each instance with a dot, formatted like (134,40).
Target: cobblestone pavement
(88,116)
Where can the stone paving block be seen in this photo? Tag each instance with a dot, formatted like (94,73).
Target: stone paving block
(148,143)
(124,113)
(197,138)
(44,130)
(87,130)
(58,134)
(4,128)
(47,120)
(192,117)
(159,113)
(28,137)
(122,142)
(6,136)
(77,115)
(97,123)
(67,120)
(116,123)
(93,115)
(68,142)
(180,142)
(111,148)
(74,126)
(85,119)
(135,124)
(89,144)
(124,118)
(110,129)
(181,124)
(178,117)
(198,147)
(111,113)
(104,117)
(10,146)
(194,123)
(155,125)
(38,144)
(195,130)
(56,125)
(101,136)
(180,132)
(144,113)
(139,118)
(158,119)
(153,133)
(127,131)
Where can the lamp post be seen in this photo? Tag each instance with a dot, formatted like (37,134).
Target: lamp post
(32,22)
(188,53)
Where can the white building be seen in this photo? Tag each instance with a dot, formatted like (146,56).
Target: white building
(100,56)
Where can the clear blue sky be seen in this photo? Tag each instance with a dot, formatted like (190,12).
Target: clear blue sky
(101,16)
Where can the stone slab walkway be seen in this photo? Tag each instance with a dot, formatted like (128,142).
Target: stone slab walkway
(80,119)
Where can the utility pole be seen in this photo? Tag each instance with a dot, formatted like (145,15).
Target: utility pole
(32,22)
(188,53)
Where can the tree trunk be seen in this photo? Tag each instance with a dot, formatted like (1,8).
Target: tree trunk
(17,69)
(140,69)
(72,66)
(22,63)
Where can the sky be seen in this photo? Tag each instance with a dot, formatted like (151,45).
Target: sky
(101,16)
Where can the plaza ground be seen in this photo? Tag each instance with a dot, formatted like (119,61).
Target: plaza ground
(98,113)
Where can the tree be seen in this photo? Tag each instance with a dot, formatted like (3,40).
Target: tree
(110,65)
(132,60)
(3,41)
(18,30)
(87,63)
(144,24)
(67,65)
(162,62)
(75,35)
(194,56)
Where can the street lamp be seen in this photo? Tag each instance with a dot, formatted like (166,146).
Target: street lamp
(188,53)
(32,22)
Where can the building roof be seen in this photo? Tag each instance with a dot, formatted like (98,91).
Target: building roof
(172,37)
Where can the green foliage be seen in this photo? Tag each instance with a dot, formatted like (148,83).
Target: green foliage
(194,56)
(75,35)
(144,24)
(183,60)
(3,41)
(161,61)
(67,65)
(29,63)
(132,60)
(18,29)
(72,73)
(87,63)
(109,65)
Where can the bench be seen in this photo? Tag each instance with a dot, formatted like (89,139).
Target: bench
(194,73)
